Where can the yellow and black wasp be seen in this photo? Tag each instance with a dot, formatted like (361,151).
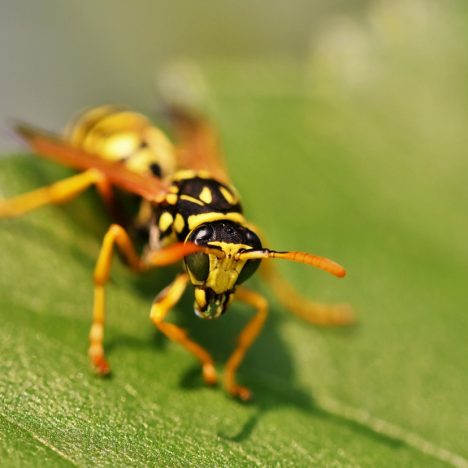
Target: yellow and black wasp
(190,212)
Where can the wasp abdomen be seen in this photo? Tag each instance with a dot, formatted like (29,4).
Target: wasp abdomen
(118,134)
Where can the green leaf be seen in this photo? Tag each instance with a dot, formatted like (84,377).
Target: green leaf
(324,173)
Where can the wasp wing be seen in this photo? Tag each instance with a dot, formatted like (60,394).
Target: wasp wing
(56,149)
(198,143)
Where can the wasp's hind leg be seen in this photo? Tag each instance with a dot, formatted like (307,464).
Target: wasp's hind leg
(60,192)
(161,307)
(319,314)
(245,340)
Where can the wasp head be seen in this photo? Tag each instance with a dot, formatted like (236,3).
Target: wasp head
(216,275)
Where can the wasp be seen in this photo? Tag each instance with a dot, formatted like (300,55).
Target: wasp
(190,213)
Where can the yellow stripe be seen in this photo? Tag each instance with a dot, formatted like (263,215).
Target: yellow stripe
(206,195)
(84,122)
(172,198)
(179,223)
(196,220)
(189,174)
(228,196)
(191,199)
(165,221)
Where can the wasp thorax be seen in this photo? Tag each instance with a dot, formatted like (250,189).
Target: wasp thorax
(215,277)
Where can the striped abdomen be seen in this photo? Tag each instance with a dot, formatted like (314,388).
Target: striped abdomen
(121,135)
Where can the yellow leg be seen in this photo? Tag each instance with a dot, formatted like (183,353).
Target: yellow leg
(319,314)
(245,340)
(115,235)
(104,188)
(60,192)
(161,307)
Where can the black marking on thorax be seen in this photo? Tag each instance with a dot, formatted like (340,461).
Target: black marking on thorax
(193,196)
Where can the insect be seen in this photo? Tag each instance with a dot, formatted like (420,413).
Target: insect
(189,213)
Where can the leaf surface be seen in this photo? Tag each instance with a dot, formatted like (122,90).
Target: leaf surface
(390,391)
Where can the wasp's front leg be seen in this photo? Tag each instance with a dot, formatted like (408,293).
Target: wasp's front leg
(163,303)
(244,341)
(115,235)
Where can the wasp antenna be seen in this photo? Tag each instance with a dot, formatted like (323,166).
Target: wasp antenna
(177,251)
(22,128)
(28,132)
(300,257)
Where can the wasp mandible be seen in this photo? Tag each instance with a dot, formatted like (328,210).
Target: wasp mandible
(190,213)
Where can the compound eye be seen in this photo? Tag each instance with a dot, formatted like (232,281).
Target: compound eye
(199,265)
(249,269)
(252,239)
(202,235)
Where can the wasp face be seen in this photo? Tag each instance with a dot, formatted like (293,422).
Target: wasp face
(215,277)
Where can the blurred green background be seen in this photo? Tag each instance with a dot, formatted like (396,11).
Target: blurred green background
(344,126)
(58,57)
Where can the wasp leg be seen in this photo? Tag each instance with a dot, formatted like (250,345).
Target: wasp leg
(319,314)
(161,307)
(245,340)
(115,235)
(104,188)
(60,192)
(112,204)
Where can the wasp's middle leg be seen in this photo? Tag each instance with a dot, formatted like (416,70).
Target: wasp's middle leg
(161,307)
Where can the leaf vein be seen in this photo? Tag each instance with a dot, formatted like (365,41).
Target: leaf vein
(39,439)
